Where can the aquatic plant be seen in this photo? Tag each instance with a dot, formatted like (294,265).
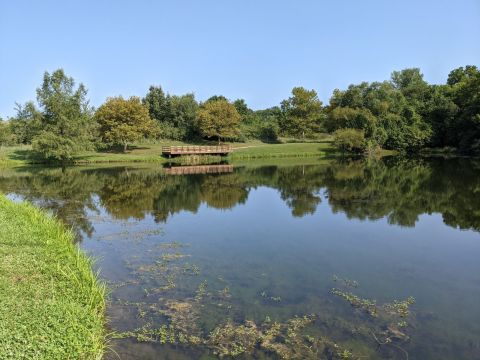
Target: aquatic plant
(369,306)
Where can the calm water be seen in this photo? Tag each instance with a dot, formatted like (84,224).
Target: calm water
(218,252)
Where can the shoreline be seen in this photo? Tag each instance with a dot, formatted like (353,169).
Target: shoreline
(52,304)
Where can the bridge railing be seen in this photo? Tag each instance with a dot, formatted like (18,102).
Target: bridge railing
(196,149)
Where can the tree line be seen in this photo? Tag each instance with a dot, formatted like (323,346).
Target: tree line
(404,113)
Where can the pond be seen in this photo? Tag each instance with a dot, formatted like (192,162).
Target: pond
(320,259)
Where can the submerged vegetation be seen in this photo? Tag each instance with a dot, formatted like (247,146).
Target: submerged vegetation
(51,304)
(206,318)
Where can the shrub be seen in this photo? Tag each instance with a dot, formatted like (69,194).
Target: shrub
(351,140)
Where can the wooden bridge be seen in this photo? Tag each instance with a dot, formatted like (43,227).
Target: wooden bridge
(200,169)
(170,151)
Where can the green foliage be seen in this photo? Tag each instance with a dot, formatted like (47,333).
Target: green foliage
(66,122)
(26,124)
(5,134)
(351,140)
(405,114)
(408,114)
(122,122)
(269,131)
(302,113)
(51,303)
(218,119)
(175,114)
(216,98)
(465,94)
(54,146)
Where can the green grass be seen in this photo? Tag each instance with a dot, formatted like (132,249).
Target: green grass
(22,155)
(307,149)
(51,303)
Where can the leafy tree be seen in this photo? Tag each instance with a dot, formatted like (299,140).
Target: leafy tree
(66,120)
(183,113)
(175,114)
(216,98)
(123,121)
(242,108)
(5,136)
(389,113)
(157,104)
(351,140)
(302,113)
(465,93)
(346,117)
(269,131)
(410,82)
(26,124)
(218,119)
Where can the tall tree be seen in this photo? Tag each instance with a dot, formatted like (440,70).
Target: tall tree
(175,114)
(302,113)
(183,111)
(66,120)
(122,122)
(465,93)
(4,133)
(218,119)
(157,103)
(26,124)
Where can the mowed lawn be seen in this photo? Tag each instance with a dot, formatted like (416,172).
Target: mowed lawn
(21,155)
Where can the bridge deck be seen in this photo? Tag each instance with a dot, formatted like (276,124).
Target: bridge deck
(201,169)
(196,150)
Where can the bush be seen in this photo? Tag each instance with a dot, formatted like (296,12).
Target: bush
(54,147)
(351,140)
(269,131)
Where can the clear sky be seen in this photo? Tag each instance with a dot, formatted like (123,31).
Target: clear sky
(252,49)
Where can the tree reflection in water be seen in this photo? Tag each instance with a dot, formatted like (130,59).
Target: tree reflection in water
(396,188)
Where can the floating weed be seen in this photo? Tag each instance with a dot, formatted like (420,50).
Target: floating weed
(369,306)
(172,245)
(346,282)
(401,308)
(388,330)
(191,269)
(201,291)
(233,340)
(168,257)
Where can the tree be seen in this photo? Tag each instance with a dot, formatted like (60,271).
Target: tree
(183,110)
(216,98)
(218,119)
(5,135)
(122,122)
(26,124)
(175,114)
(157,104)
(351,140)
(66,120)
(302,113)
(465,93)
(410,82)
(242,107)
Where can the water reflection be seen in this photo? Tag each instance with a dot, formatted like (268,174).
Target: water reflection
(399,189)
(266,241)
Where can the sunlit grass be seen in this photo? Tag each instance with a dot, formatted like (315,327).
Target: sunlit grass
(21,155)
(51,303)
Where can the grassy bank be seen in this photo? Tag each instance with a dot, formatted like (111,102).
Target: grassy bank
(51,304)
(23,155)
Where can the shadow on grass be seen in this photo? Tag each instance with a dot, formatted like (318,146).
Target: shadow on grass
(25,155)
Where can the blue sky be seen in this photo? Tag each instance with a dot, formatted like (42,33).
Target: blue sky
(252,49)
